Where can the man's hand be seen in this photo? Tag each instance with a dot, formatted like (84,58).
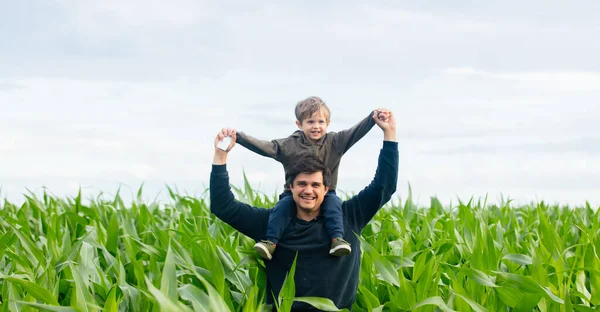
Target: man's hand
(220,157)
(384,118)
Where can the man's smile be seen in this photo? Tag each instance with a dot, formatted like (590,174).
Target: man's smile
(308,197)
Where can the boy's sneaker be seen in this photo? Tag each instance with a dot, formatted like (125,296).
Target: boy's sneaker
(339,247)
(265,249)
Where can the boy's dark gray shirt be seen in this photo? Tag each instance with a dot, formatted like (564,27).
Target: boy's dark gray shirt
(330,148)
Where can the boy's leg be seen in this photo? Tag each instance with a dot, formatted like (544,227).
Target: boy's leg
(334,221)
(280,217)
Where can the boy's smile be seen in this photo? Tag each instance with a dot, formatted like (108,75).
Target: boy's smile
(315,127)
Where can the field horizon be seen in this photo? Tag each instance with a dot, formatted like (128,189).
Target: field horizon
(164,196)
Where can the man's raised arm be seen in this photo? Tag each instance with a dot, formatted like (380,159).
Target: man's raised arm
(361,208)
(250,221)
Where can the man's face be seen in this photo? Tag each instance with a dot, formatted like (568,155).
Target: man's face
(308,191)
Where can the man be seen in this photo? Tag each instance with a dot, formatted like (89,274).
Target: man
(317,273)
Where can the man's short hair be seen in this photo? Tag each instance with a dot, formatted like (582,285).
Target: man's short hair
(308,164)
(309,106)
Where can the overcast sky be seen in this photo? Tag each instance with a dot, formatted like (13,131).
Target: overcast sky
(501,99)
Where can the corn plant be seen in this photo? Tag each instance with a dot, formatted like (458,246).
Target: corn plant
(99,254)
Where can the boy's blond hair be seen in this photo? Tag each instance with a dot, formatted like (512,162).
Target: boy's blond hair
(309,106)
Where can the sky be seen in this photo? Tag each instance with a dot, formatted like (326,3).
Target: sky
(492,99)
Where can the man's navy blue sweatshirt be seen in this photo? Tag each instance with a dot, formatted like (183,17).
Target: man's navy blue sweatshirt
(317,273)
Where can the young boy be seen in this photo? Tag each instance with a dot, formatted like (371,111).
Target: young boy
(312,119)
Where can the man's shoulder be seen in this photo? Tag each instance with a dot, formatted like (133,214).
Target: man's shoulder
(351,202)
(349,207)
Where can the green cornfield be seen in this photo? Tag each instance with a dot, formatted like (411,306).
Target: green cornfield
(99,254)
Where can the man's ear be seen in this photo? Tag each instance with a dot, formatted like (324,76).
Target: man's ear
(326,189)
(299,124)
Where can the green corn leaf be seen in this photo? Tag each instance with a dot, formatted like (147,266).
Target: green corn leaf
(436,301)
(83,298)
(370,300)
(168,280)
(111,304)
(164,302)
(319,303)
(519,259)
(527,284)
(197,297)
(480,277)
(287,293)
(38,292)
(474,305)
(383,266)
(44,307)
(216,302)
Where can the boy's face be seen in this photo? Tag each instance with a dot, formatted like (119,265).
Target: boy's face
(315,126)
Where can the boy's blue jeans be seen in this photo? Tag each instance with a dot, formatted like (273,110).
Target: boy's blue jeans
(285,210)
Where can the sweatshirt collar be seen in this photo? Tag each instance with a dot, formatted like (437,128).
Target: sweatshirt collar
(306,141)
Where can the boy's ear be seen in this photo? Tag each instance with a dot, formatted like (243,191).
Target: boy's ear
(299,124)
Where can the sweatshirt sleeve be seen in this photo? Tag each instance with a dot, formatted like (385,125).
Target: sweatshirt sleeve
(343,140)
(248,220)
(361,208)
(262,147)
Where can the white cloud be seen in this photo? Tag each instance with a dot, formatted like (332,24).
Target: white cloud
(557,80)
(142,171)
(94,16)
(443,23)
(8,86)
(8,145)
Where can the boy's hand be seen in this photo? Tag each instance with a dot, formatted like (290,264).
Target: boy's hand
(382,114)
(224,133)
(386,121)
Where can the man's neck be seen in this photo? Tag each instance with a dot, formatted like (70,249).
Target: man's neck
(307,216)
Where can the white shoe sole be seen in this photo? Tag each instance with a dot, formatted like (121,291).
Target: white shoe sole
(340,247)
(263,251)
